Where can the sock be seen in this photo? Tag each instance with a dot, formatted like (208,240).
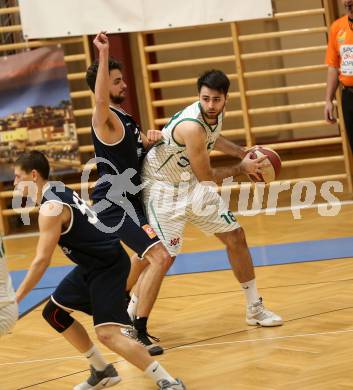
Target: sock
(250,291)
(96,359)
(156,372)
(131,309)
(140,323)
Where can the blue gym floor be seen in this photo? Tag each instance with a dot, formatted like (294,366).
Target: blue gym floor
(187,263)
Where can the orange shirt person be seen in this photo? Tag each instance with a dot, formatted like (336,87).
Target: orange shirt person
(339,58)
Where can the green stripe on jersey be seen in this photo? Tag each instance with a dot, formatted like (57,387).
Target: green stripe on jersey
(185,120)
(165,162)
(155,217)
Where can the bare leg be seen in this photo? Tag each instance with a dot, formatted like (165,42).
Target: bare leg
(136,288)
(129,349)
(78,337)
(134,353)
(238,254)
(146,293)
(137,267)
(243,269)
(159,263)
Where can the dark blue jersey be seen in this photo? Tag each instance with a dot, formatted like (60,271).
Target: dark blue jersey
(125,154)
(83,242)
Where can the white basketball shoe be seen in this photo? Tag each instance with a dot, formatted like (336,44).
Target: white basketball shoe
(166,385)
(257,314)
(100,379)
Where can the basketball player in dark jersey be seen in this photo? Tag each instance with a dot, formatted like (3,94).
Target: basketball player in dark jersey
(119,147)
(95,286)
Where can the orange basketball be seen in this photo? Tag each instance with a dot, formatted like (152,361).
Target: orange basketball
(271,172)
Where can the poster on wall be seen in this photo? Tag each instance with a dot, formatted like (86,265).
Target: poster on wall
(49,19)
(36,111)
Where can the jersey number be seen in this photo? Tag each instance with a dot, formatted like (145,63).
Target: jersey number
(229,217)
(183,162)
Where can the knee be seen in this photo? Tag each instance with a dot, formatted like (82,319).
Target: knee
(105,334)
(166,261)
(57,318)
(161,259)
(139,264)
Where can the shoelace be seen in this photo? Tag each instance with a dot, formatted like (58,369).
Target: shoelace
(93,377)
(257,306)
(164,384)
(145,333)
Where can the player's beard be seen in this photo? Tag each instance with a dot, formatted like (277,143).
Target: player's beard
(211,116)
(117,99)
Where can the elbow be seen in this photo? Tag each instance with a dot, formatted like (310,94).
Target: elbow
(333,70)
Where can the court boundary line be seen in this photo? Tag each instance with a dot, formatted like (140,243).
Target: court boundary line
(267,339)
(195,344)
(191,345)
(188,346)
(216,292)
(214,337)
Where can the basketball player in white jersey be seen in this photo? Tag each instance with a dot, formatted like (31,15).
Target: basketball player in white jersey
(8,305)
(173,172)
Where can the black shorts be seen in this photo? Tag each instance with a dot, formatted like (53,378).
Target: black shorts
(99,292)
(132,228)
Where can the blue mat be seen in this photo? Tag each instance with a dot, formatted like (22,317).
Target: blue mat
(186,263)
(297,252)
(44,288)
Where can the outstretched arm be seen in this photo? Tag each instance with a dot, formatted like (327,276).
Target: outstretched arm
(101,93)
(102,118)
(50,230)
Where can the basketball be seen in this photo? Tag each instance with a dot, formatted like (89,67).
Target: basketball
(271,172)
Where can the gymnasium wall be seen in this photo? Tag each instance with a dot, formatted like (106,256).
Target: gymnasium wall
(248,47)
(283,104)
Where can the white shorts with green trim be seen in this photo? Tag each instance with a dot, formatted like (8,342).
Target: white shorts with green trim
(168,208)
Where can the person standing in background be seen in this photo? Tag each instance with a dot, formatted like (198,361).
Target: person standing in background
(339,58)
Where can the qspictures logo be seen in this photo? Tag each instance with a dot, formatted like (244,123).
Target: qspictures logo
(189,198)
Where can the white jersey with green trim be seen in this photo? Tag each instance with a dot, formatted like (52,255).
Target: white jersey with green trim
(168,160)
(7,294)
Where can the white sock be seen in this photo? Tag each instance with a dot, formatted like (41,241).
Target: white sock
(250,291)
(132,306)
(156,372)
(96,359)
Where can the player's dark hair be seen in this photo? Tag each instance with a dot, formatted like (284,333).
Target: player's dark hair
(91,74)
(34,160)
(214,79)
